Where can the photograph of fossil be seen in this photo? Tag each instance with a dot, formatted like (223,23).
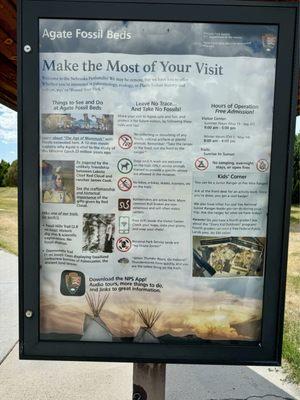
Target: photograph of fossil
(228,256)
(98,232)
(78,123)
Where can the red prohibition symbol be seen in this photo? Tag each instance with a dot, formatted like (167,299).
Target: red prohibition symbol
(201,163)
(125,184)
(123,244)
(125,141)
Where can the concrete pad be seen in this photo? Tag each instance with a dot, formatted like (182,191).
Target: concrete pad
(192,382)
(49,380)
(55,380)
(8,302)
(277,376)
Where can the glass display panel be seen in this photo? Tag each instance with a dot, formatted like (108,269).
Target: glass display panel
(155,154)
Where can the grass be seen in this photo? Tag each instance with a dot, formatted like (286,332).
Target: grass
(291,351)
(8,219)
(291,340)
(295,215)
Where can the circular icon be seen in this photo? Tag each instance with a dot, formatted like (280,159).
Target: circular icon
(123,244)
(201,163)
(262,165)
(125,141)
(124,184)
(139,393)
(125,165)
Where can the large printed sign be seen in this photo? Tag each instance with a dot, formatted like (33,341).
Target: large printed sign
(155,156)
(155,159)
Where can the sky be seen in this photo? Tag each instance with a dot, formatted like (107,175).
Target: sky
(8,133)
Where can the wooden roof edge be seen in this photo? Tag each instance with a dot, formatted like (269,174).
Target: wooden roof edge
(8,102)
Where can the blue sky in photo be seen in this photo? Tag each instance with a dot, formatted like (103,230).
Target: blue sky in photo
(8,133)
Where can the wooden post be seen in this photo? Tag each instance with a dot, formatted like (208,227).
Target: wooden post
(149,381)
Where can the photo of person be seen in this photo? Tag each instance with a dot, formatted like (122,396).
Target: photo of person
(101,124)
(98,232)
(58,184)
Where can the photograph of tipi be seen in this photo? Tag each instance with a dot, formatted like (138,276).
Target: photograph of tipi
(149,318)
(94,328)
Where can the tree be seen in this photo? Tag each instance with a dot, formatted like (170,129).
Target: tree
(11,176)
(296,172)
(4,165)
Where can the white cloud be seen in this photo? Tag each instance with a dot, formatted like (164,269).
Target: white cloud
(8,124)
